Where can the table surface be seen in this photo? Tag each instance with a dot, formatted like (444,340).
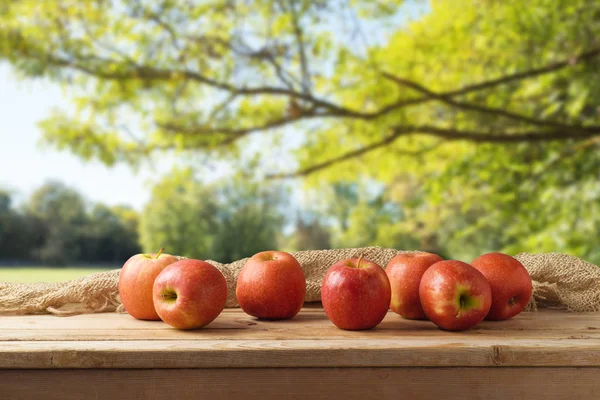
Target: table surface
(236,340)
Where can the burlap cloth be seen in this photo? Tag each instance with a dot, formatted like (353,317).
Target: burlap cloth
(559,281)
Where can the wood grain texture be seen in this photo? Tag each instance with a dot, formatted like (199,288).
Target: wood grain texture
(311,323)
(305,383)
(235,340)
(297,353)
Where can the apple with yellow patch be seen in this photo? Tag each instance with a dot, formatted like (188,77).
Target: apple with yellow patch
(189,294)
(405,272)
(454,295)
(136,280)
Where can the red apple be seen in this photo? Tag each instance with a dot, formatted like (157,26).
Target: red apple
(135,283)
(404,272)
(510,282)
(355,294)
(454,295)
(189,294)
(271,285)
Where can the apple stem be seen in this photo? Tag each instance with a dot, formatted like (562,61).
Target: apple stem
(159,252)
(359,260)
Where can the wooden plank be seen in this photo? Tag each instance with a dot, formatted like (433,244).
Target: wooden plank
(312,324)
(112,340)
(305,383)
(425,352)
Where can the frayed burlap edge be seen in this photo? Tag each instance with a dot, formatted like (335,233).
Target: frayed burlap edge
(562,281)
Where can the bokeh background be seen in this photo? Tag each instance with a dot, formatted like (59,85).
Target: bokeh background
(220,128)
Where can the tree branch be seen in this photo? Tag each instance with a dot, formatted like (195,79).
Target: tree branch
(266,54)
(320,108)
(279,71)
(218,109)
(168,28)
(206,130)
(305,73)
(482,137)
(151,73)
(573,60)
(484,109)
(346,156)
(583,57)
(332,109)
(337,111)
(444,133)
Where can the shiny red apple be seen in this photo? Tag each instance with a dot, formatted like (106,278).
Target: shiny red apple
(135,283)
(510,282)
(404,272)
(189,294)
(355,294)
(271,285)
(454,295)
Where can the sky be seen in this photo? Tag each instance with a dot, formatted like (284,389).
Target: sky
(24,165)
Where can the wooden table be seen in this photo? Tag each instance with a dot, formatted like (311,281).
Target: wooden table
(545,355)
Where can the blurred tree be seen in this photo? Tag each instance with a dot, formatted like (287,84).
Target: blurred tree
(477,100)
(63,213)
(365,215)
(5,201)
(341,199)
(54,227)
(180,217)
(309,233)
(128,232)
(111,235)
(18,232)
(225,222)
(249,219)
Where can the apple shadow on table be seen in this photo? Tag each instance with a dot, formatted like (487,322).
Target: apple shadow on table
(299,317)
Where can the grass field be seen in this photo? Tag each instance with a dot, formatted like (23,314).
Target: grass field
(35,274)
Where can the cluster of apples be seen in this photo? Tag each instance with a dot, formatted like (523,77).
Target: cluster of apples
(356,293)
(189,294)
(455,295)
(186,294)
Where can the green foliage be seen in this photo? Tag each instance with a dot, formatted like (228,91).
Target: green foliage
(225,222)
